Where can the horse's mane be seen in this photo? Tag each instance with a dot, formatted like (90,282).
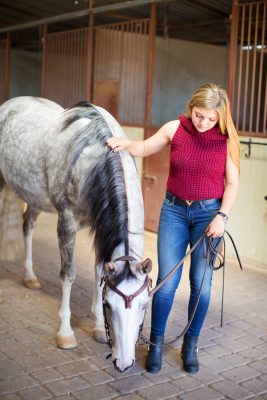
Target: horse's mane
(103,199)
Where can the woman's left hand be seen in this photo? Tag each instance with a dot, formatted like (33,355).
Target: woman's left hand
(216,227)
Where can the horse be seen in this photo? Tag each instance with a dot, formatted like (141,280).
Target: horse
(57,161)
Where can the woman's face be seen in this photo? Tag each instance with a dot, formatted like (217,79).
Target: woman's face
(204,118)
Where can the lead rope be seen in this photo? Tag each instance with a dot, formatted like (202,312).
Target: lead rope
(210,253)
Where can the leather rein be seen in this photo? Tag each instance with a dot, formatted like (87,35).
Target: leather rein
(210,253)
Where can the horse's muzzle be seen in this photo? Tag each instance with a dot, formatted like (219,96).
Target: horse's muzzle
(120,368)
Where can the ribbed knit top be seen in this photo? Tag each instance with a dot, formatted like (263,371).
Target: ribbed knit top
(197,162)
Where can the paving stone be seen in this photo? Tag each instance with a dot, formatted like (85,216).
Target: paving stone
(97,377)
(231,344)
(202,394)
(260,365)
(12,385)
(207,376)
(166,374)
(234,359)
(65,386)
(240,374)
(9,368)
(215,363)
(46,375)
(35,392)
(253,353)
(159,392)
(129,397)
(256,386)
(130,384)
(10,397)
(101,392)
(263,377)
(76,368)
(232,390)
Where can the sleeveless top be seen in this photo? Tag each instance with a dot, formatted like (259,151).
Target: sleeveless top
(197,162)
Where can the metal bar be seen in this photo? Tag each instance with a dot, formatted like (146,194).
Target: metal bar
(7,67)
(89,58)
(254,69)
(247,70)
(240,67)
(232,52)
(261,65)
(43,66)
(150,70)
(265,109)
(76,14)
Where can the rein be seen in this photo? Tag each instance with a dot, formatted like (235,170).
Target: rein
(210,253)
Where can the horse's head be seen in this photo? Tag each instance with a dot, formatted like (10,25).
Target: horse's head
(125,300)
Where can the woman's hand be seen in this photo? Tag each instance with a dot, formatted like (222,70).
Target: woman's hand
(216,227)
(118,143)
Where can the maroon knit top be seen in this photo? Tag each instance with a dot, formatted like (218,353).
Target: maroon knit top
(197,162)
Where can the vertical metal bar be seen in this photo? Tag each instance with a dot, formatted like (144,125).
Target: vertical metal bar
(150,69)
(240,67)
(232,52)
(254,69)
(7,67)
(89,55)
(265,109)
(247,70)
(43,72)
(261,64)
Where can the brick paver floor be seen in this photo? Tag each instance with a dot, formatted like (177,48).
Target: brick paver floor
(233,359)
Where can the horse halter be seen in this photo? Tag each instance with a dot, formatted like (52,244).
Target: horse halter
(127,298)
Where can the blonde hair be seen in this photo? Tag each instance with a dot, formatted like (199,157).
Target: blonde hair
(212,96)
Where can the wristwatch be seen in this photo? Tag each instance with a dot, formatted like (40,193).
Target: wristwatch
(225,216)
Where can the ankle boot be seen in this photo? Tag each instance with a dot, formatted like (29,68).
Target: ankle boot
(154,357)
(189,354)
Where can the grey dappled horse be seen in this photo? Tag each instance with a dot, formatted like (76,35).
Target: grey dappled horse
(57,161)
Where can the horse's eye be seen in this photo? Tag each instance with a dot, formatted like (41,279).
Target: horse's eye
(107,304)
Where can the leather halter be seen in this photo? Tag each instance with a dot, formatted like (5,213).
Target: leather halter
(128,299)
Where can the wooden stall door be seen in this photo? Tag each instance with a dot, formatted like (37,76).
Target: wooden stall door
(155,173)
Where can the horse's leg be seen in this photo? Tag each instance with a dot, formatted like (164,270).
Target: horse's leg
(97,306)
(29,218)
(66,230)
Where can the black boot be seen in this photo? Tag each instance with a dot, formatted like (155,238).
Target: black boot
(189,354)
(154,357)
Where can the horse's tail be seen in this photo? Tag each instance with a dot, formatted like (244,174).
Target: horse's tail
(11,235)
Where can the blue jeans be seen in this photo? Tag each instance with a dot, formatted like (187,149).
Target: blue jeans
(179,226)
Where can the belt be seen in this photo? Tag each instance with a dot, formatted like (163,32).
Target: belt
(187,203)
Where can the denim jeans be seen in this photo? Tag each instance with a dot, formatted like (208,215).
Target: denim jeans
(179,226)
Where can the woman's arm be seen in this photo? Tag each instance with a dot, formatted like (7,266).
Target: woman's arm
(144,148)
(216,227)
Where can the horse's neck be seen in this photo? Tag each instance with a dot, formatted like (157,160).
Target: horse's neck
(135,206)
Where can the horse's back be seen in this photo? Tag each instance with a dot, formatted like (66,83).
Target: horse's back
(27,125)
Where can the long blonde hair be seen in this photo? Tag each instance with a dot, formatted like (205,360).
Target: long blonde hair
(212,96)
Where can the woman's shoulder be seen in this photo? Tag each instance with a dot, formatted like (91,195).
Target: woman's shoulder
(171,127)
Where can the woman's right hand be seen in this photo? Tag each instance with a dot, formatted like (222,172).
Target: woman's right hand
(118,143)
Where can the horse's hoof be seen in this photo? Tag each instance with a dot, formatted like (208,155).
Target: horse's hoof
(32,283)
(66,342)
(100,336)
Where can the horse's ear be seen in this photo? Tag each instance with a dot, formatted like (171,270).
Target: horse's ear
(109,268)
(146,266)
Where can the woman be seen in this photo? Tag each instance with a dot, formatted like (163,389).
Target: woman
(201,189)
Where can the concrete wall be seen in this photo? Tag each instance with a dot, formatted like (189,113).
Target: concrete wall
(180,68)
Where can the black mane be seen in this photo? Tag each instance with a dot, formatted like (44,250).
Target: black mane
(103,200)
